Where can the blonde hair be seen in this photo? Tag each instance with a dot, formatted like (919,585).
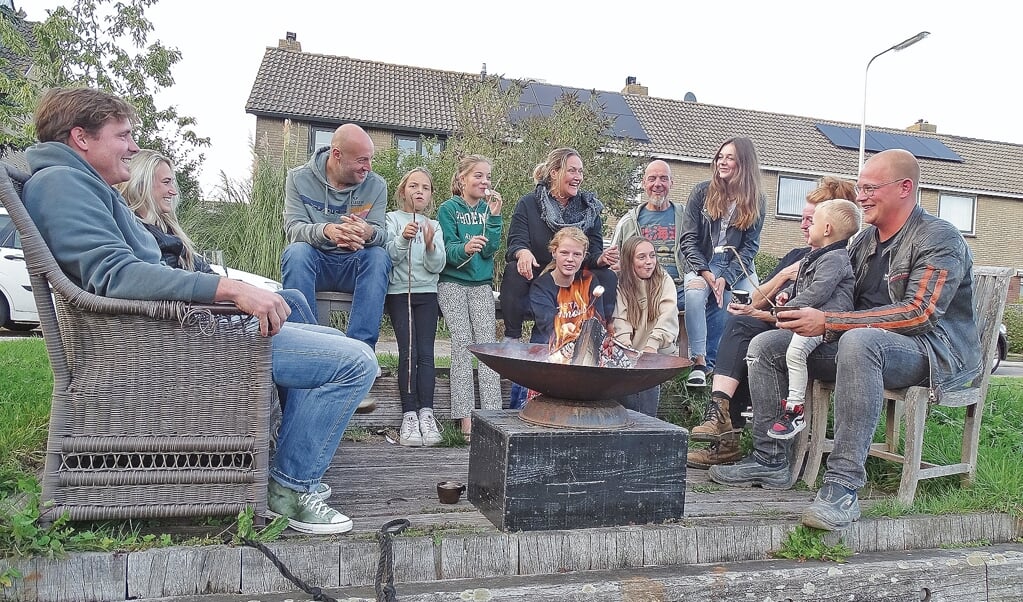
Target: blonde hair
(138,194)
(399,192)
(843,215)
(570,233)
(633,288)
(744,186)
(465,165)
(556,160)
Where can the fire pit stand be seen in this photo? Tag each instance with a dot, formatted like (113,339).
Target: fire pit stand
(574,457)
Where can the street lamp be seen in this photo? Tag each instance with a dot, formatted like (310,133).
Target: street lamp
(863,124)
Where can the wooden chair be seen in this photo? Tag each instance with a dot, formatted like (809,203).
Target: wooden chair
(910,406)
(159,408)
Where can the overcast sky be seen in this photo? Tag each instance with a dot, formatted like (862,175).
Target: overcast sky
(799,57)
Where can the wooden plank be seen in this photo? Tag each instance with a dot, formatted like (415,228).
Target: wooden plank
(312,561)
(183,571)
(488,555)
(84,577)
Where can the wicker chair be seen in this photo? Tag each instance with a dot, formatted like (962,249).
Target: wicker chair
(160,408)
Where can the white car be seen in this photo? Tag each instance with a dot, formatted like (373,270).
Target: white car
(18,307)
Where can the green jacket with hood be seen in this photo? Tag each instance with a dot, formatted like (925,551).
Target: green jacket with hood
(310,202)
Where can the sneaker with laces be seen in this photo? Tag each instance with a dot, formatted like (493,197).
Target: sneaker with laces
(411,435)
(790,423)
(322,492)
(305,512)
(721,451)
(697,376)
(716,421)
(429,429)
(748,472)
(834,508)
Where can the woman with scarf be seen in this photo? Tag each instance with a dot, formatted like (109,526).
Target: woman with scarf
(555,203)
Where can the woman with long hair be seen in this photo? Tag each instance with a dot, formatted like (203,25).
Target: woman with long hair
(646,315)
(720,237)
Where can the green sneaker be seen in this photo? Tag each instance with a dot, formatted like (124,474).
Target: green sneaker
(322,492)
(306,512)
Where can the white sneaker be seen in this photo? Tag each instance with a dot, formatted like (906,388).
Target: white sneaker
(410,434)
(428,427)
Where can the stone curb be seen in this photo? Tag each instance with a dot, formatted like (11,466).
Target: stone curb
(349,562)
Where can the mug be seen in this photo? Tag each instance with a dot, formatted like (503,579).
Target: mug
(449,492)
(740,296)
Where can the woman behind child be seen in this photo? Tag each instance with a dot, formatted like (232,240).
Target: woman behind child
(646,316)
(471,224)
(415,245)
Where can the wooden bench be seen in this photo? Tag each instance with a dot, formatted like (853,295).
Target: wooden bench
(328,302)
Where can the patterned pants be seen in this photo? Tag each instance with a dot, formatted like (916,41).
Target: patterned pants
(470,315)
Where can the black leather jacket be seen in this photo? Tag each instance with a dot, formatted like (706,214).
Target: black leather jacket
(930,282)
(700,234)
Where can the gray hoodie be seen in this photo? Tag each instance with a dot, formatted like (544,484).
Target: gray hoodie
(310,202)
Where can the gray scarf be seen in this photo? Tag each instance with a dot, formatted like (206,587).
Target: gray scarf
(581,211)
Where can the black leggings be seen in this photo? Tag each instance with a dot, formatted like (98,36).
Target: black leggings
(731,360)
(425,312)
(515,297)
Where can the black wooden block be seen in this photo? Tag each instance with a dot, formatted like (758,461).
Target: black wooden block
(525,477)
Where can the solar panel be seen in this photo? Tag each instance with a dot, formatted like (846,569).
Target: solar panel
(876,141)
(539,99)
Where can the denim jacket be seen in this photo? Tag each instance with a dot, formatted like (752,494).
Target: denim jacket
(930,282)
(700,235)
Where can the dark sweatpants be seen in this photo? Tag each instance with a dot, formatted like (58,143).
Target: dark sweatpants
(731,361)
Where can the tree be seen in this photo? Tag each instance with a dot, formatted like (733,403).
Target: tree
(104,44)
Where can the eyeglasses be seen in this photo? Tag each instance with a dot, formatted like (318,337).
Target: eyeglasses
(868,190)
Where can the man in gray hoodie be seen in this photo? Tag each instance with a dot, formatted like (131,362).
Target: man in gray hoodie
(334,208)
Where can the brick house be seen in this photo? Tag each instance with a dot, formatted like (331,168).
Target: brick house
(976,184)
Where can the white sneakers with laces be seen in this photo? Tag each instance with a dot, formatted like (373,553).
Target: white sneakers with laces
(429,428)
(410,436)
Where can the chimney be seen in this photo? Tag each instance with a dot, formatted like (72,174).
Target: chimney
(632,87)
(290,42)
(921,125)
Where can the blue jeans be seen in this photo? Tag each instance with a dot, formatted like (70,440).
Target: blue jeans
(863,363)
(325,375)
(301,313)
(705,320)
(363,273)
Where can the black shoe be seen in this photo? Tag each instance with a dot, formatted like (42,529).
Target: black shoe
(790,423)
(748,472)
(834,508)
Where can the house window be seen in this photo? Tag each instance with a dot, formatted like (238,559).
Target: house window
(417,145)
(959,210)
(320,137)
(792,193)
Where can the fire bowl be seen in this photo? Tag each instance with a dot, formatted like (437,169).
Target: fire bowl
(527,365)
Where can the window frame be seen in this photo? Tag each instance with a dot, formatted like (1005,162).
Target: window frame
(419,140)
(972,199)
(798,213)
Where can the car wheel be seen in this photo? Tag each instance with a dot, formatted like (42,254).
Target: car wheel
(5,312)
(997,359)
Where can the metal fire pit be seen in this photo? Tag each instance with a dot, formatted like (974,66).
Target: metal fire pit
(583,397)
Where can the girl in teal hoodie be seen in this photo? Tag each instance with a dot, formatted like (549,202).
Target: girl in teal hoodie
(471,222)
(416,248)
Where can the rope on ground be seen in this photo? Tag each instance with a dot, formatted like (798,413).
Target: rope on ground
(384,582)
(385,566)
(313,591)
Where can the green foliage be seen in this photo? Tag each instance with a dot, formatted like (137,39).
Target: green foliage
(1013,320)
(247,530)
(103,44)
(804,543)
(765,264)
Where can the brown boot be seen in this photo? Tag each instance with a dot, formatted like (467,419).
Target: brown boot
(722,451)
(716,421)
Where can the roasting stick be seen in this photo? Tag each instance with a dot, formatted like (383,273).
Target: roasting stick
(487,192)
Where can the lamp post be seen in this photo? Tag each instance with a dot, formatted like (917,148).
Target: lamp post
(863,124)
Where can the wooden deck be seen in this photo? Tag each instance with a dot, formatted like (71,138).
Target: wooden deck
(376,481)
